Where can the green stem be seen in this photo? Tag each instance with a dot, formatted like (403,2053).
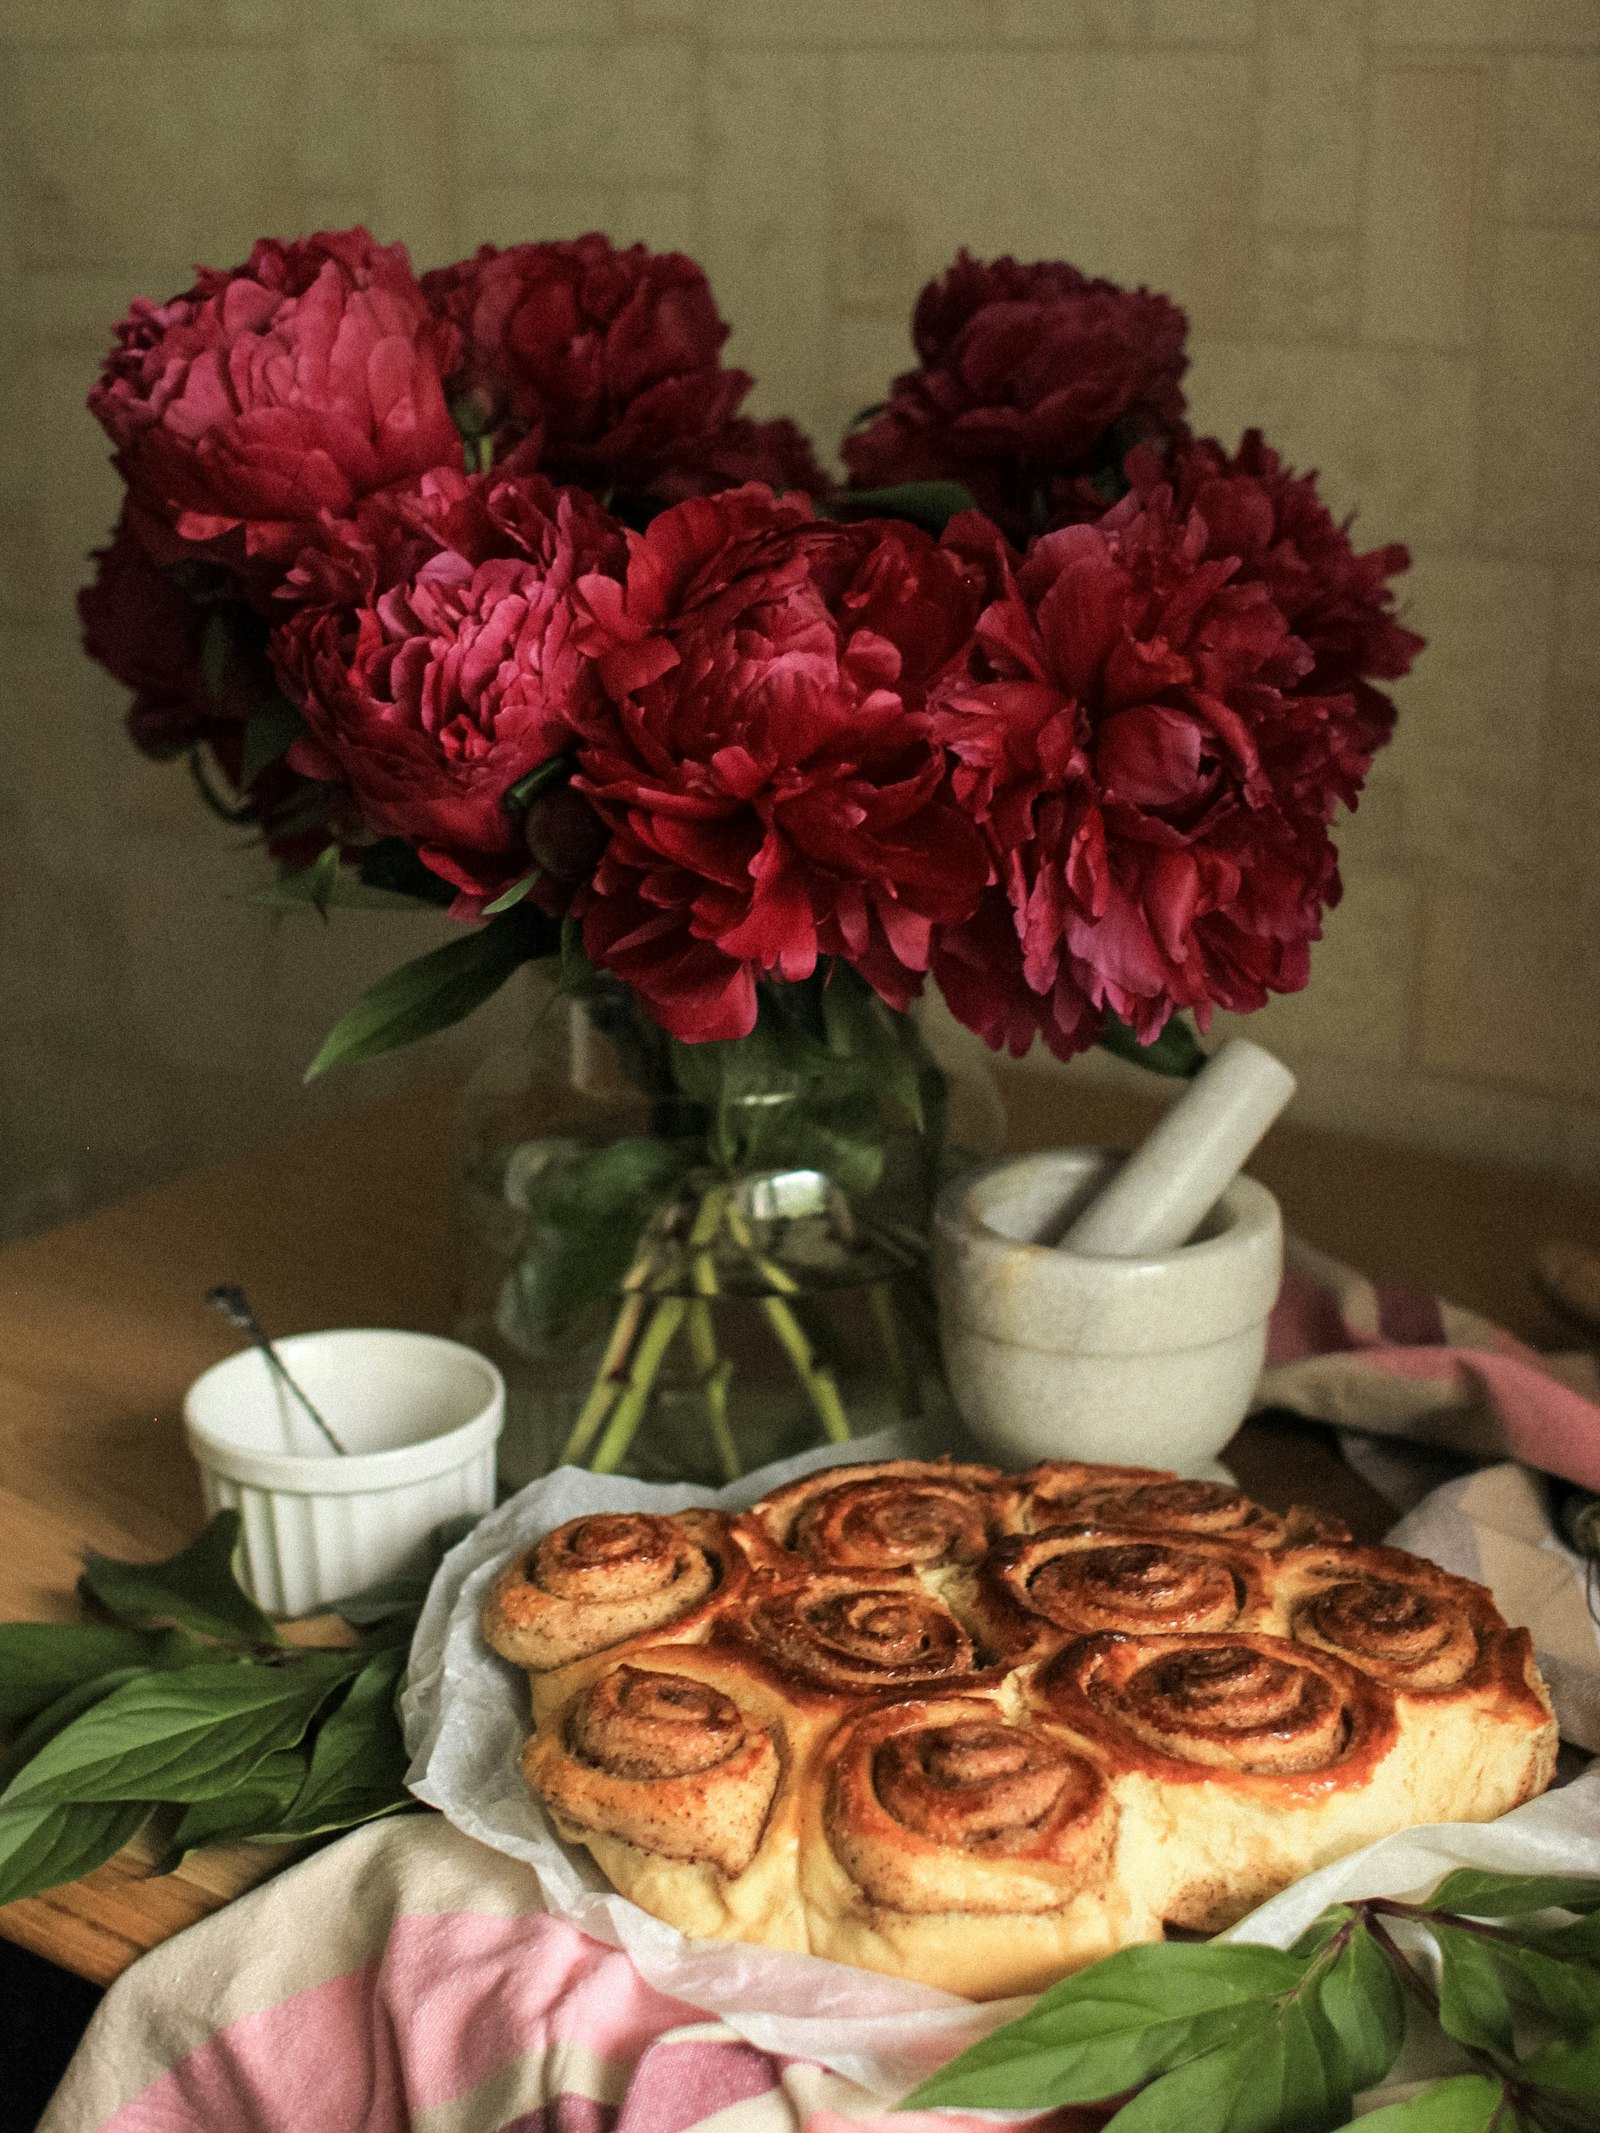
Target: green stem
(665,1319)
(814,1376)
(880,1301)
(715,1371)
(609,1380)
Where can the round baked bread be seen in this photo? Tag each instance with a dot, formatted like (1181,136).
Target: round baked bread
(979,1730)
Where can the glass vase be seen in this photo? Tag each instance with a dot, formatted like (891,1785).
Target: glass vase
(688,1260)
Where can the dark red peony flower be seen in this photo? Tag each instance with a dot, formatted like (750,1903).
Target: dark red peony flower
(1137,731)
(764,761)
(1340,603)
(605,364)
(1033,379)
(777,453)
(433,694)
(145,630)
(293,386)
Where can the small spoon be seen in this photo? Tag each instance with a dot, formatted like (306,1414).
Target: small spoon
(234,1305)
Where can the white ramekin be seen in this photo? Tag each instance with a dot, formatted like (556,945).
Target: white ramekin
(419,1416)
(1147,1361)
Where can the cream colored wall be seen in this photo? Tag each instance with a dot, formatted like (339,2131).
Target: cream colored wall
(1383,218)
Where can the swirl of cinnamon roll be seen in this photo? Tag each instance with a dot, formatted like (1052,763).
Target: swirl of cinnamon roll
(1400,1619)
(1228,1702)
(844,1634)
(666,1761)
(902,1514)
(944,1806)
(598,1580)
(1149,1501)
(1083,1579)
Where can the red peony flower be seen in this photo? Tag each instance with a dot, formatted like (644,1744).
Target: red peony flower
(777,453)
(145,630)
(604,362)
(1137,732)
(434,694)
(293,386)
(1338,602)
(1032,378)
(764,762)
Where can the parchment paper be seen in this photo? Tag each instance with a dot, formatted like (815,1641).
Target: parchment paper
(466,1717)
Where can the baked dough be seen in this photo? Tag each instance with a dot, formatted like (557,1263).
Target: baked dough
(979,1730)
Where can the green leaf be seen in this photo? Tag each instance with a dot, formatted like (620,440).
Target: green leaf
(1114,2026)
(359,1761)
(513,896)
(929,504)
(391,868)
(1479,1894)
(1572,2067)
(1578,1940)
(1273,2077)
(1363,2002)
(56,1717)
(428,994)
(554,770)
(270,732)
(180,1736)
(586,1216)
(216,645)
(40,1661)
(42,1847)
(195,1588)
(1473,2004)
(1176,1052)
(1566,1993)
(255,1807)
(1470,2103)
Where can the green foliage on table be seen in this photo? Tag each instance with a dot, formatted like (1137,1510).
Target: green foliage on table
(1230,2037)
(186,1711)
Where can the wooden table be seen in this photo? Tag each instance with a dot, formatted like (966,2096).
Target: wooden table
(102,1326)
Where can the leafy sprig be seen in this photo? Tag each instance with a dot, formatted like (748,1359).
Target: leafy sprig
(1230,2037)
(187,1713)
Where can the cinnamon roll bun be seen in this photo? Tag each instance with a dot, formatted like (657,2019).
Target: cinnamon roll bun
(597,1581)
(904,1514)
(854,1636)
(1149,1500)
(1034,1589)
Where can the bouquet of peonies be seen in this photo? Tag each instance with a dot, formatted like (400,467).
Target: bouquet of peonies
(477,588)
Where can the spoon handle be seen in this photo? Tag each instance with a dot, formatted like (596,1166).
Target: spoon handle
(234,1305)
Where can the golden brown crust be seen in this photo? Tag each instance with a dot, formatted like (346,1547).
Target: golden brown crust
(838,1635)
(979,1731)
(1034,1589)
(1248,1707)
(900,1514)
(943,1806)
(668,1762)
(597,1581)
(1150,1500)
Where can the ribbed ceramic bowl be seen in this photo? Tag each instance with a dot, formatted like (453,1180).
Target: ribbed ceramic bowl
(419,1416)
(1146,1361)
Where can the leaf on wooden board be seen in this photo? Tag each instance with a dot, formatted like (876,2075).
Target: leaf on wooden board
(43,1846)
(40,1661)
(196,1588)
(358,1762)
(180,1736)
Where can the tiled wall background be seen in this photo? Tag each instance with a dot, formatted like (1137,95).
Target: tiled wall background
(1382,215)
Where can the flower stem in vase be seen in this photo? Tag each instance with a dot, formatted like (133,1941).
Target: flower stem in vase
(665,1319)
(609,1379)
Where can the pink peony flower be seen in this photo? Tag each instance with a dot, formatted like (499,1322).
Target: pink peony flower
(763,759)
(1031,379)
(436,693)
(263,398)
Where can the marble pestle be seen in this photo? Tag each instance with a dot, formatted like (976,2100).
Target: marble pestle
(1155,1201)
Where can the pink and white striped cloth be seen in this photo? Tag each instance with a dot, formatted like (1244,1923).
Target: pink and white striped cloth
(406,1980)
(1401,1362)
